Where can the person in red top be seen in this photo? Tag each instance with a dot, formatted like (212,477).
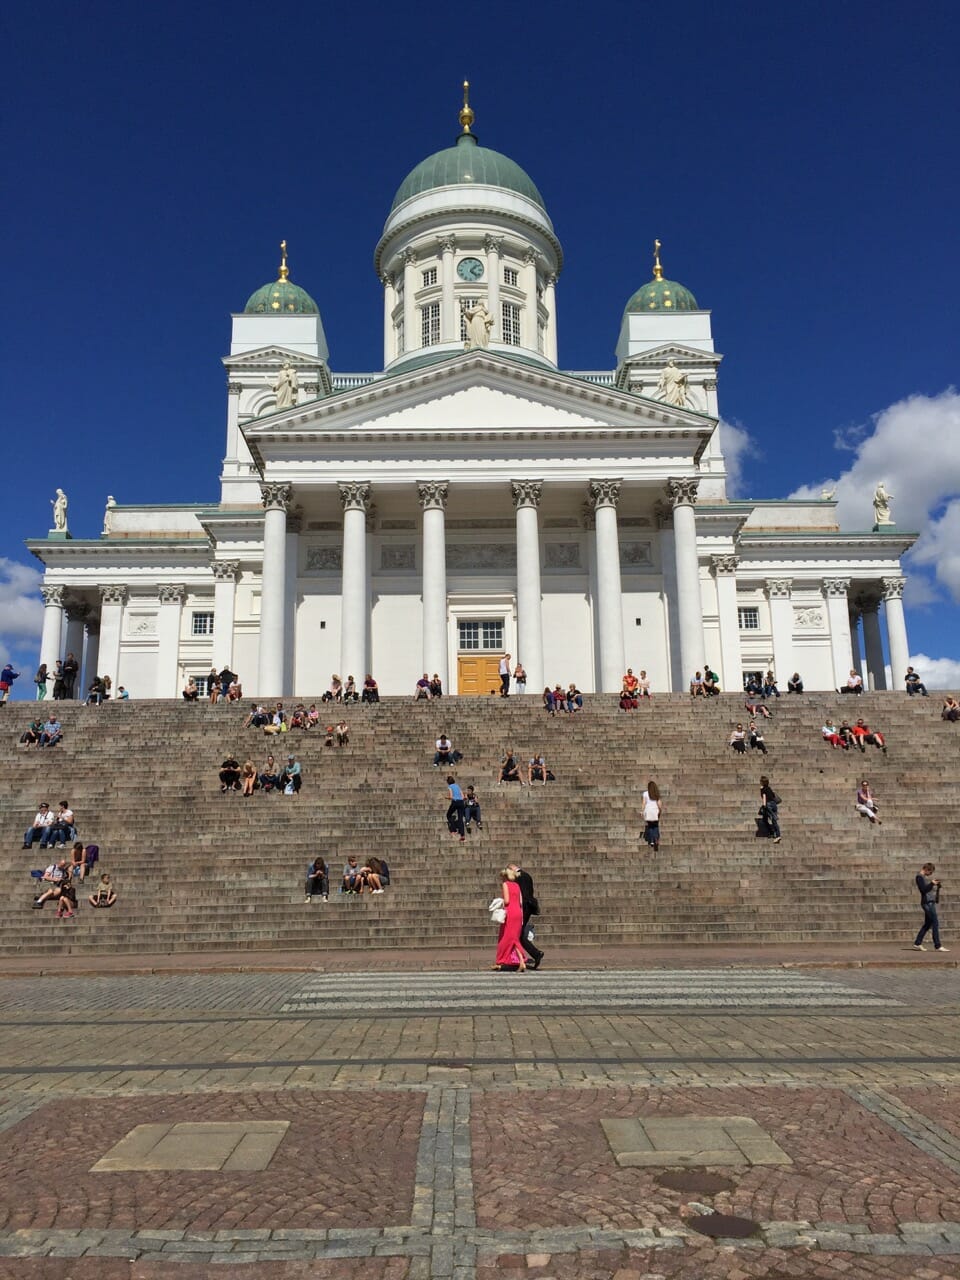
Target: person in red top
(864,734)
(630,681)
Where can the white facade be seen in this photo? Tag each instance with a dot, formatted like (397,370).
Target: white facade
(459,502)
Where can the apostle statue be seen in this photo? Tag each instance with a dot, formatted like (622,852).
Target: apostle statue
(479,324)
(59,504)
(881,505)
(672,387)
(286,386)
(108,513)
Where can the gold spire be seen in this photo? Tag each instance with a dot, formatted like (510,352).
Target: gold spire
(657,269)
(284,269)
(466,111)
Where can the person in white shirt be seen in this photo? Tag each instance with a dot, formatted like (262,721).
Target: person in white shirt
(504,670)
(41,822)
(60,829)
(652,809)
(854,683)
(445,754)
(738,740)
(643,685)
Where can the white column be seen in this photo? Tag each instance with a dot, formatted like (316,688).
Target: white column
(731,661)
(492,245)
(781,626)
(77,614)
(294,521)
(433,502)
(411,337)
(168,640)
(389,303)
(273,590)
(838,615)
(528,317)
(683,495)
(669,595)
(449,316)
(855,638)
(550,304)
(526,499)
(224,611)
(896,630)
(605,494)
(50,638)
(873,642)
(90,659)
(112,600)
(354,607)
(232,458)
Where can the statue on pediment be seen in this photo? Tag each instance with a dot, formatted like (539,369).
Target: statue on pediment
(59,504)
(672,387)
(479,323)
(108,513)
(286,386)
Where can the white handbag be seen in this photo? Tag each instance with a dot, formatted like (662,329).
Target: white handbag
(498,912)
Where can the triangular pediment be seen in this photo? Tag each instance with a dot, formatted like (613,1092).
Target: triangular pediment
(683,355)
(478,392)
(270,358)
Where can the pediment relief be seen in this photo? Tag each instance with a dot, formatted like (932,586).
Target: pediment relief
(271,358)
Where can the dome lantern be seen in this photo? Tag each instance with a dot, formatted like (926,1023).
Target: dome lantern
(660,294)
(282,296)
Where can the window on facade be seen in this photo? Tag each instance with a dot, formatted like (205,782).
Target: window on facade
(430,325)
(482,634)
(466,304)
(510,275)
(429,277)
(201,683)
(510,324)
(202,624)
(756,676)
(748,619)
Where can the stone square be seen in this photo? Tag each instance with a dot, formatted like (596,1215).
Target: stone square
(667,1142)
(245,1146)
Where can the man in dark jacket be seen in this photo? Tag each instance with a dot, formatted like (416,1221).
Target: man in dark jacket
(929,897)
(530,907)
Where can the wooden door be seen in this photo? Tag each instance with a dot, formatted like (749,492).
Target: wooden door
(477,674)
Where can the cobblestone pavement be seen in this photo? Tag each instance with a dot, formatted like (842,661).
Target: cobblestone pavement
(451,1129)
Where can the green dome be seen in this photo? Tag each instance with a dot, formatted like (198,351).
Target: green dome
(662,295)
(281,298)
(465,163)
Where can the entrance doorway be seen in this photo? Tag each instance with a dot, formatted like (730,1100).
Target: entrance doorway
(477,674)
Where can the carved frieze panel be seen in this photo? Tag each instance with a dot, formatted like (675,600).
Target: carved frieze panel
(324,559)
(396,556)
(635,555)
(493,556)
(561,555)
(141,625)
(809,618)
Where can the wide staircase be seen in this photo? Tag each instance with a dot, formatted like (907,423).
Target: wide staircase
(200,871)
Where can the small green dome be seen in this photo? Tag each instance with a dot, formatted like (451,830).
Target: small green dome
(465,163)
(281,298)
(662,295)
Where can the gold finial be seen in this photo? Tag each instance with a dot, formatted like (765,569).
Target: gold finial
(466,111)
(284,269)
(657,269)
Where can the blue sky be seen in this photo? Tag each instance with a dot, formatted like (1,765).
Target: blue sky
(798,163)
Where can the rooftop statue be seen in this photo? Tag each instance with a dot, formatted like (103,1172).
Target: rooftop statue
(479,324)
(672,387)
(108,513)
(59,504)
(881,506)
(286,386)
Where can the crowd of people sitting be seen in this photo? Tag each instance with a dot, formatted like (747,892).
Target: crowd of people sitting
(510,769)
(272,777)
(428,687)
(558,699)
(845,736)
(55,830)
(632,689)
(372,876)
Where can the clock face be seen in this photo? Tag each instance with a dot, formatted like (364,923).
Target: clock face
(470,269)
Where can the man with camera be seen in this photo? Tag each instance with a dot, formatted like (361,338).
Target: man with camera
(929,897)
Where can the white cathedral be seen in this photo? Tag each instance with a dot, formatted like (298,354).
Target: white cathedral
(471,498)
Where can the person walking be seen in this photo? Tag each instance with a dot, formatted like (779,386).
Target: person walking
(929,897)
(40,680)
(769,808)
(509,952)
(503,671)
(530,907)
(652,809)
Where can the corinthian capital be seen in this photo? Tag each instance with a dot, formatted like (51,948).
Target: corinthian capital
(893,588)
(779,588)
(836,587)
(171,593)
(724,564)
(683,493)
(53,596)
(113,594)
(447,244)
(409,257)
(354,495)
(604,493)
(234,388)
(275,496)
(432,494)
(493,244)
(526,493)
(225,570)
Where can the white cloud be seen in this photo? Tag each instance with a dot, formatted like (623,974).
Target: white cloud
(735,443)
(914,447)
(21,611)
(937,673)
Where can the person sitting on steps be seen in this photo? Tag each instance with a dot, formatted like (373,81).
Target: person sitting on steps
(950,709)
(537,770)
(854,683)
(352,876)
(755,738)
(509,770)
(697,689)
(341,732)
(758,709)
(866,804)
(643,686)
(318,881)
(795,684)
(190,691)
(711,683)
(230,774)
(770,689)
(371,690)
(865,736)
(421,690)
(445,753)
(350,693)
(104,895)
(269,777)
(40,825)
(291,776)
(436,686)
(54,878)
(914,684)
(738,740)
(248,777)
(471,810)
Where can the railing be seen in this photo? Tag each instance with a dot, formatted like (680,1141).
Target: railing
(347,381)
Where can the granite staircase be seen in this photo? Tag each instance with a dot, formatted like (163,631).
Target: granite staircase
(200,871)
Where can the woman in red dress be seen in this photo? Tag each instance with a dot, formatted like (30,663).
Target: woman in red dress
(509,953)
